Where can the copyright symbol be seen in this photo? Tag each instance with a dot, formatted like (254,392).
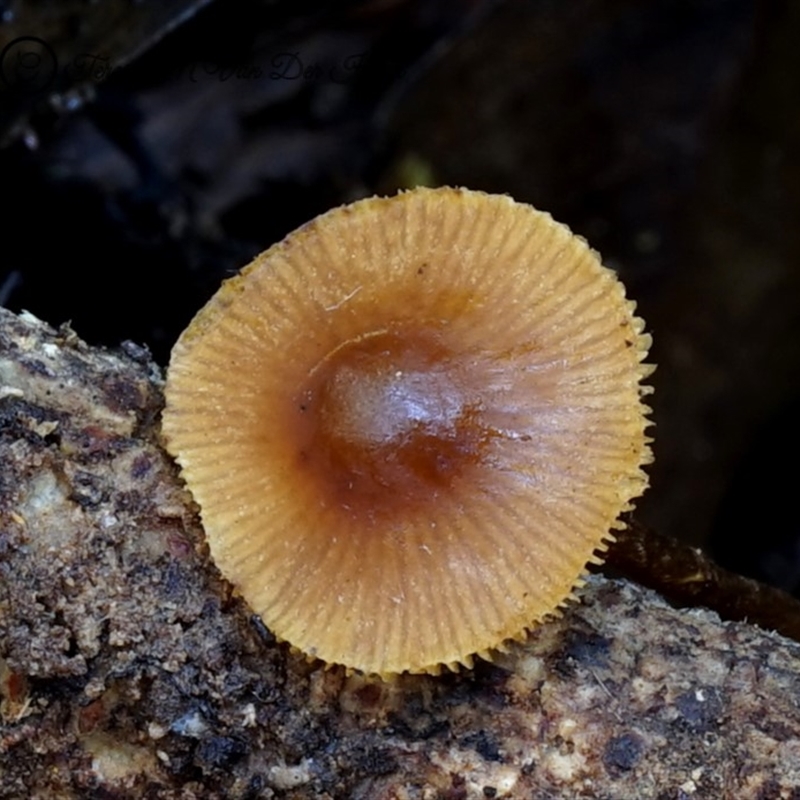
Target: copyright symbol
(28,64)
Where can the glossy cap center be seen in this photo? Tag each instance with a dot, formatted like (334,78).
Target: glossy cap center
(387,420)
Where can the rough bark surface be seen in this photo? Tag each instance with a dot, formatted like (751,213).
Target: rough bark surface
(128,668)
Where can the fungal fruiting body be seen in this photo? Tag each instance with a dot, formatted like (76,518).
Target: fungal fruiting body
(411,425)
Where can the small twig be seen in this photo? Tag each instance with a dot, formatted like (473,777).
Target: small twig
(687,577)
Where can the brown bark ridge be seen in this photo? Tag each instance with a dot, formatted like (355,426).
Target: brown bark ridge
(129,668)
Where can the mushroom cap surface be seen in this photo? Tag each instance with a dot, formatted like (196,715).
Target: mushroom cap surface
(410,425)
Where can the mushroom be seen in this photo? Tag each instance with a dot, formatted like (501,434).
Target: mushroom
(411,425)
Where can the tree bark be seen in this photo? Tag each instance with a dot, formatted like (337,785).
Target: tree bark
(129,668)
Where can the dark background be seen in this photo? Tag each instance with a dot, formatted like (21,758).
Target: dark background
(148,150)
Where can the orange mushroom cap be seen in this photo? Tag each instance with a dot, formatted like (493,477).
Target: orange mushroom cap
(410,426)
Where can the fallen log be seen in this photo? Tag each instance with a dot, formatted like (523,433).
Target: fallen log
(129,668)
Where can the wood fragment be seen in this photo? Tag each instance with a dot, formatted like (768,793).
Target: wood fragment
(128,668)
(687,577)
